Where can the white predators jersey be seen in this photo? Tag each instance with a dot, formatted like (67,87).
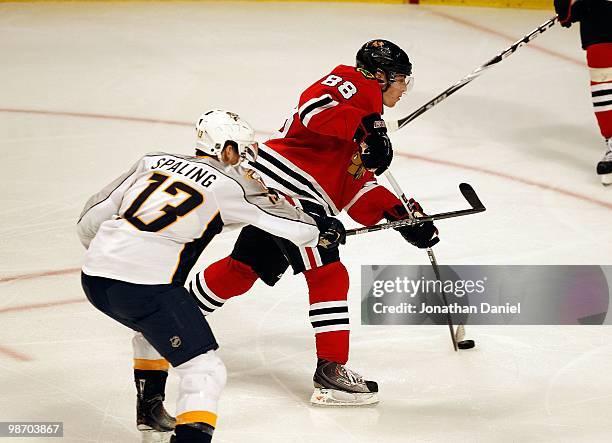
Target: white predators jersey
(151,224)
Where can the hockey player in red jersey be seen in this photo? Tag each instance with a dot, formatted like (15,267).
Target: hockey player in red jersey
(595,17)
(325,158)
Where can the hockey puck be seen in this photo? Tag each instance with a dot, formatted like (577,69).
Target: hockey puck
(466,344)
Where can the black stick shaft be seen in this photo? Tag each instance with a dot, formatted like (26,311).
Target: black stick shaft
(449,319)
(430,254)
(408,222)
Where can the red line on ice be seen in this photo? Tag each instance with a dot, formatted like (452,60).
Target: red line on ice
(99,116)
(42,305)
(14,354)
(30,275)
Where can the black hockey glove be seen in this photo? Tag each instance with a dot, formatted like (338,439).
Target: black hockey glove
(569,12)
(376,150)
(331,231)
(423,235)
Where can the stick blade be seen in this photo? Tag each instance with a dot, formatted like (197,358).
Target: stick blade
(470,195)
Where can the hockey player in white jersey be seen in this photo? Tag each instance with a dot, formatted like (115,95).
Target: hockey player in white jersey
(143,234)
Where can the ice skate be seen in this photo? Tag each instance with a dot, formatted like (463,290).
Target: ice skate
(336,385)
(152,420)
(604,167)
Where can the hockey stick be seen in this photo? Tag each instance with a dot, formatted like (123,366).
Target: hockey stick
(430,254)
(397,124)
(466,190)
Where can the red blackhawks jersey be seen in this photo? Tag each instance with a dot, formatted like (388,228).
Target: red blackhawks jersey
(313,156)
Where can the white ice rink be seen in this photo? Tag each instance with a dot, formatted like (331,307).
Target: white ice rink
(85,89)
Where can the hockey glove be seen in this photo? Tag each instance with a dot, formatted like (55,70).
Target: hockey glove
(331,231)
(423,235)
(376,151)
(372,124)
(569,11)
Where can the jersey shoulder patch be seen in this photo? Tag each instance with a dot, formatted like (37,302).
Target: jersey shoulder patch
(365,73)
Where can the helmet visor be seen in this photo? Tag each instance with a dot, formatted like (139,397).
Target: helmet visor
(401,80)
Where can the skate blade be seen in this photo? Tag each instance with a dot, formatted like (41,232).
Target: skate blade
(606,179)
(333,397)
(153,436)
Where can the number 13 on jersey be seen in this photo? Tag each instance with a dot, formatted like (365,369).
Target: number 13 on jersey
(192,200)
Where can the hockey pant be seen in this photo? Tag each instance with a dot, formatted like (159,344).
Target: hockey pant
(599,60)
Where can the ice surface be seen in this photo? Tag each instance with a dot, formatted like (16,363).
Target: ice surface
(84,88)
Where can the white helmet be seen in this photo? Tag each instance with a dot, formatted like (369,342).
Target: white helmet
(216,128)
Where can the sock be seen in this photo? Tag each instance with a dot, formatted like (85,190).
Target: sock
(599,60)
(221,281)
(328,290)
(228,278)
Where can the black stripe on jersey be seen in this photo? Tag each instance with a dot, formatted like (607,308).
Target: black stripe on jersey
(337,321)
(293,174)
(335,310)
(281,180)
(606,103)
(602,92)
(192,250)
(205,295)
(324,101)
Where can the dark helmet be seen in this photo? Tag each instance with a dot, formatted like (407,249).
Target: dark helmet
(383,55)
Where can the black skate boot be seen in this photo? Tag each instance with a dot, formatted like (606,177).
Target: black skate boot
(604,167)
(336,385)
(155,424)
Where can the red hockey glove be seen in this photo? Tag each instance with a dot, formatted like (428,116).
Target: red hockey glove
(376,150)
(423,235)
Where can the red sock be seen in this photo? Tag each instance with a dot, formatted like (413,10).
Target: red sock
(228,278)
(599,59)
(328,290)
